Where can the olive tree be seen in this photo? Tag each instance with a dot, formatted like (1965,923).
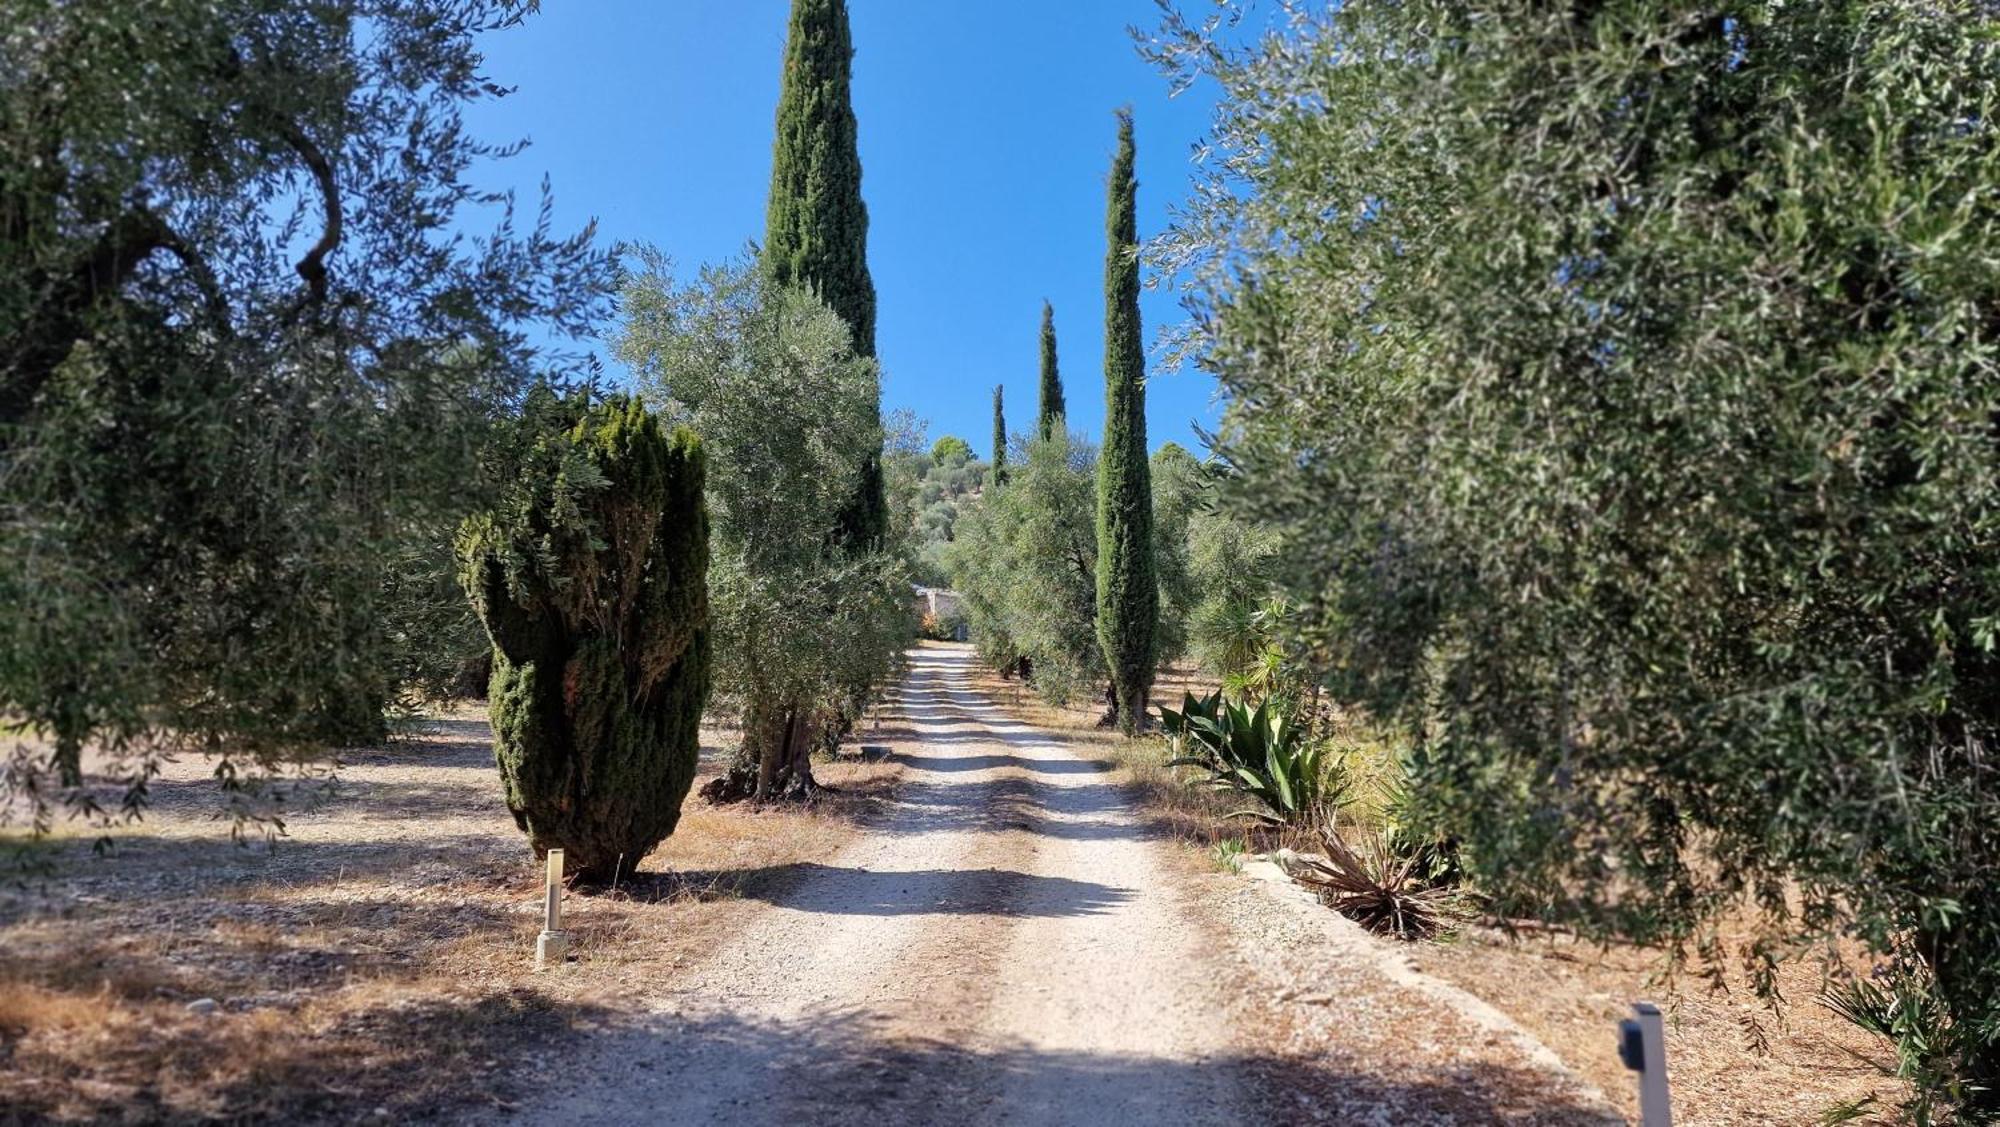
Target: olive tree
(1024,561)
(1622,383)
(787,410)
(243,359)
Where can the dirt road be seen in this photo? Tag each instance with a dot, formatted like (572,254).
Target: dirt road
(1005,947)
(1011,944)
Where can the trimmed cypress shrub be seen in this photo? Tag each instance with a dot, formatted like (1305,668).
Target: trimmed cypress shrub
(1128,591)
(592,582)
(1049,420)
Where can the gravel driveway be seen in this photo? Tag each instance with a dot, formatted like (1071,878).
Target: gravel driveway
(1012,944)
(1007,946)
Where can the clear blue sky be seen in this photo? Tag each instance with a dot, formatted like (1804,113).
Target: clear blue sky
(986,133)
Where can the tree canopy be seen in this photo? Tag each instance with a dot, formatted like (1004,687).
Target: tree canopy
(768,377)
(242,355)
(950,448)
(1024,562)
(1620,382)
(816,224)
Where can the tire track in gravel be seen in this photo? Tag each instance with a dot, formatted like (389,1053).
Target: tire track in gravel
(1004,947)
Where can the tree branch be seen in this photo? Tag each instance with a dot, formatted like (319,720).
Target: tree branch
(313,266)
(56,321)
(204,277)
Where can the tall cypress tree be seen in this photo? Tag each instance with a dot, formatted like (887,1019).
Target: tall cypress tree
(1050,418)
(1128,592)
(815,224)
(999,435)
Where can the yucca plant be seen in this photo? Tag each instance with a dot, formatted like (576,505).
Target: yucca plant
(1901,1006)
(1266,671)
(1373,887)
(1258,753)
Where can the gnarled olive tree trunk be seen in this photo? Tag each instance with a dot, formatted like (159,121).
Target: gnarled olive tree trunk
(775,761)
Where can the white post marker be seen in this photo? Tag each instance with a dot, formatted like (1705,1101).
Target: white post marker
(552,944)
(1643,1046)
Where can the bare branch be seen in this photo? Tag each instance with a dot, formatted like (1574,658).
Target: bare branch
(313,266)
(204,277)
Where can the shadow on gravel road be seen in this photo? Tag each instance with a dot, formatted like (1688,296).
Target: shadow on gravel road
(1093,811)
(985,734)
(838,1068)
(989,762)
(807,886)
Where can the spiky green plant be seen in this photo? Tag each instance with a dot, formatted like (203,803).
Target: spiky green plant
(1256,753)
(1902,1006)
(1228,854)
(1372,886)
(591,581)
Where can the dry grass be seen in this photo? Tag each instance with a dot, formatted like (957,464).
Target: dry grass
(1731,1059)
(376,961)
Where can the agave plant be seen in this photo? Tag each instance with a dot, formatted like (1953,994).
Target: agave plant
(1373,887)
(1257,753)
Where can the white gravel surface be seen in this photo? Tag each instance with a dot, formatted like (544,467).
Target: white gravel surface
(1012,945)
(1005,947)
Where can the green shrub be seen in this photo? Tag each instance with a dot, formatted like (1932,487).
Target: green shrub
(591,581)
(940,629)
(1433,855)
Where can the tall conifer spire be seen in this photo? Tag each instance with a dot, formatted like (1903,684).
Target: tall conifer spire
(1128,588)
(999,435)
(1049,419)
(815,223)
